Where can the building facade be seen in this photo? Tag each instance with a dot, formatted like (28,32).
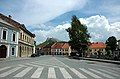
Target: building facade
(97,48)
(47,49)
(26,42)
(24,39)
(60,48)
(8,38)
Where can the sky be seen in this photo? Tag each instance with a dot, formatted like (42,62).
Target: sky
(50,18)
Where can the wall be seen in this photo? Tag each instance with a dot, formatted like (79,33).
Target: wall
(9,43)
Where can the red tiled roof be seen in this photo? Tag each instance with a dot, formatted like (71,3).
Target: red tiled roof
(57,46)
(66,46)
(98,45)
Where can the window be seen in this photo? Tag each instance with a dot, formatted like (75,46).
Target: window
(21,36)
(13,36)
(4,34)
(66,49)
(25,38)
(13,51)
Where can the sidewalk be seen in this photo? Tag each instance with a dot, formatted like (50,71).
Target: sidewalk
(102,60)
(10,59)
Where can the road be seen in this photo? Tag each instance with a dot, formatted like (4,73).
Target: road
(57,67)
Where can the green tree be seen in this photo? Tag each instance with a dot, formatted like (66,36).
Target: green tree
(79,36)
(111,43)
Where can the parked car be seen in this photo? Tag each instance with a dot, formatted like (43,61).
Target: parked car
(35,55)
(42,53)
(76,57)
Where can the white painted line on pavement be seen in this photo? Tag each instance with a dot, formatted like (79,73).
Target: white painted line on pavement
(109,72)
(106,67)
(90,73)
(80,75)
(65,74)
(62,62)
(45,65)
(22,73)
(4,68)
(105,75)
(37,73)
(22,65)
(9,72)
(51,73)
(32,65)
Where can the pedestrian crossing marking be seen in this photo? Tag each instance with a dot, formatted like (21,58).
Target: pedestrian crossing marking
(4,68)
(65,74)
(105,75)
(90,73)
(109,72)
(9,72)
(45,65)
(95,73)
(51,73)
(32,65)
(22,73)
(37,73)
(78,73)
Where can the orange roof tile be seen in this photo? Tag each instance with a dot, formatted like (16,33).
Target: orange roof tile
(98,45)
(66,46)
(57,46)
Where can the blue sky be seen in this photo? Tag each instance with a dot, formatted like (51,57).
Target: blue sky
(50,18)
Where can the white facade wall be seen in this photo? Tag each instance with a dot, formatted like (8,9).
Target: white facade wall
(9,43)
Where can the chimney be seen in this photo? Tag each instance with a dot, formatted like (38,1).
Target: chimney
(10,16)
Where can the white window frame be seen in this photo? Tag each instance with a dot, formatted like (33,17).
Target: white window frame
(12,37)
(6,33)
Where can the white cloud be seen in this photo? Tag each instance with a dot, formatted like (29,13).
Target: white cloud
(98,27)
(115,29)
(58,32)
(40,11)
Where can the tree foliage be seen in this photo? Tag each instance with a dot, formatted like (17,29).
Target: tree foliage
(79,36)
(111,43)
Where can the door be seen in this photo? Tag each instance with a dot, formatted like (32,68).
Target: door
(3,51)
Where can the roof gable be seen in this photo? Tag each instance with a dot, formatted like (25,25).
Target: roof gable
(60,45)
(57,46)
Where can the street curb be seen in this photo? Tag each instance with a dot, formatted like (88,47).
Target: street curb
(12,59)
(101,60)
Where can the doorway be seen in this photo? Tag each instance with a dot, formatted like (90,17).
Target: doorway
(3,51)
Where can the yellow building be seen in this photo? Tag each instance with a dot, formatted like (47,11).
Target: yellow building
(26,42)
(97,48)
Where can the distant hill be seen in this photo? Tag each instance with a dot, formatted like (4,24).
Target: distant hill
(49,41)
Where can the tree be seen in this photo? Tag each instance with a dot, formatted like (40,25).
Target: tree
(111,43)
(79,36)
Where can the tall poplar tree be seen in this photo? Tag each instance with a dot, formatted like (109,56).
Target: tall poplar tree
(79,36)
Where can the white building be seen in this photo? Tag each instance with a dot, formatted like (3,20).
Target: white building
(8,38)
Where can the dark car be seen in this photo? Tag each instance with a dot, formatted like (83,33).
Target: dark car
(35,55)
(76,57)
